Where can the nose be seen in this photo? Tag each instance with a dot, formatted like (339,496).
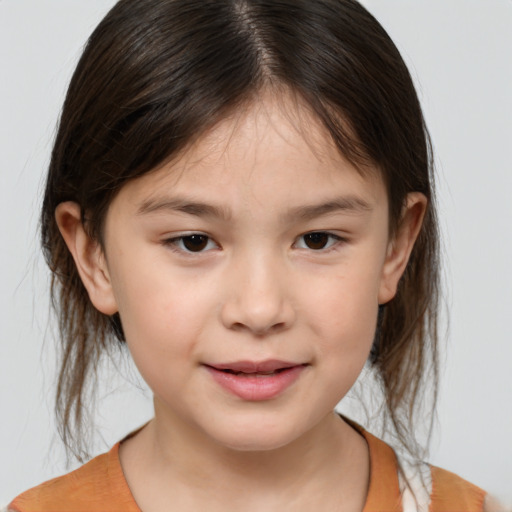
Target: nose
(258,298)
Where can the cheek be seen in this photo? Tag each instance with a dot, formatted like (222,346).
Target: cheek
(162,312)
(343,314)
(346,339)
(344,304)
(162,330)
(345,352)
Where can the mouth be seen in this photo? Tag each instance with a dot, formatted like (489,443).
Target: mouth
(254,374)
(268,367)
(256,381)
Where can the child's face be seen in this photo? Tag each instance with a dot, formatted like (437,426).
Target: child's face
(284,260)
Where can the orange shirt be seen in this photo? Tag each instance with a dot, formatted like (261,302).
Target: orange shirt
(100,486)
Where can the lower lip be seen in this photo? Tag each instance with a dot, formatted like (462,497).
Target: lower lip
(257,387)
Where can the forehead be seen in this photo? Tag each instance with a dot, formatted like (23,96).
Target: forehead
(272,147)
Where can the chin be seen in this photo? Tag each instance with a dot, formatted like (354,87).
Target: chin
(257,436)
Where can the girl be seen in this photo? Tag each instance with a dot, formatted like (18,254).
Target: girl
(240,192)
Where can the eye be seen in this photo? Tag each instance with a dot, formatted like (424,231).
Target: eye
(318,240)
(195,242)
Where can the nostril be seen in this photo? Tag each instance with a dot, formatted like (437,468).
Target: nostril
(238,326)
(272,329)
(278,326)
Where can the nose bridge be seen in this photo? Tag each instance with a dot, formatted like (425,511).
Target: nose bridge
(258,299)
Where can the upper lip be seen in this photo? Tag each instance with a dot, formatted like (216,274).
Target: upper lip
(269,365)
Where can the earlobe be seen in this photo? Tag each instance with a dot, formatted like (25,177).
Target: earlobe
(88,256)
(400,247)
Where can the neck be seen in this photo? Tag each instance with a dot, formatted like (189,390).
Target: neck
(195,454)
(323,458)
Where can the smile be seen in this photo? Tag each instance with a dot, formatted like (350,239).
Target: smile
(254,381)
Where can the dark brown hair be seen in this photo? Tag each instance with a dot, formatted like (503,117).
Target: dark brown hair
(156,74)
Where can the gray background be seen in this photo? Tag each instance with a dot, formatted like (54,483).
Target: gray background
(459,52)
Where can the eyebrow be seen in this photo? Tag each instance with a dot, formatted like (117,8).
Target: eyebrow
(348,204)
(182,205)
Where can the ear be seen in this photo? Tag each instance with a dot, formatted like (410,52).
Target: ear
(88,255)
(400,246)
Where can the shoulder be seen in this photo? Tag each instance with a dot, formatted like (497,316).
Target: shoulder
(446,484)
(420,486)
(451,492)
(65,492)
(98,484)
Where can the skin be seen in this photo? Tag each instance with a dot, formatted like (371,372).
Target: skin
(257,291)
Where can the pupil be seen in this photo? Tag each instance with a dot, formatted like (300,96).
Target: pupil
(195,243)
(316,240)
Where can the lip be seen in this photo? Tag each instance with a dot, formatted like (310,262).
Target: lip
(270,365)
(256,381)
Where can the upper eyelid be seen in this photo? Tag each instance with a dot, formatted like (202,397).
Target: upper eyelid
(325,232)
(174,240)
(185,234)
(338,239)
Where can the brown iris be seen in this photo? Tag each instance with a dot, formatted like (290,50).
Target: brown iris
(316,241)
(195,243)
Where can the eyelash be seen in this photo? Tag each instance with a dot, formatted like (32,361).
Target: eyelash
(335,241)
(177,243)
